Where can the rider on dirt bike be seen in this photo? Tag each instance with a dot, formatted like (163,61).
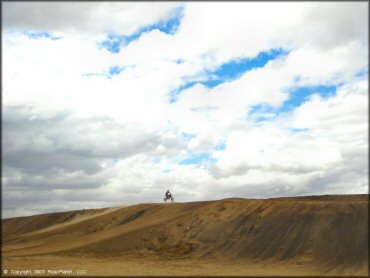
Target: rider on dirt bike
(168,196)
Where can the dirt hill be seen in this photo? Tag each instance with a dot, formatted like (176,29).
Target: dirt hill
(315,235)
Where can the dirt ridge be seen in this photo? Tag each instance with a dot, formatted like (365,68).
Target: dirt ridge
(326,232)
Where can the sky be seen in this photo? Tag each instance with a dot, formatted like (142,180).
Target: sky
(112,103)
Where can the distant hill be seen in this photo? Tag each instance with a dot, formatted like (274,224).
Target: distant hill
(326,233)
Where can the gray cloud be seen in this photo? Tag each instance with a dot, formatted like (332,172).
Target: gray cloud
(93,17)
(334,24)
(70,160)
(38,144)
(44,154)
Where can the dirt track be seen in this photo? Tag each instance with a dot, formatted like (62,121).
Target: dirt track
(317,235)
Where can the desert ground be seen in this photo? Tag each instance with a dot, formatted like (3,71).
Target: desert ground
(298,236)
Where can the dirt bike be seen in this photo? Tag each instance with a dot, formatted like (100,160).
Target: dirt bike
(169,198)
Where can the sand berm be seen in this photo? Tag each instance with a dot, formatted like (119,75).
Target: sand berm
(312,235)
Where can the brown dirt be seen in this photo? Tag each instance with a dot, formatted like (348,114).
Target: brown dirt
(314,235)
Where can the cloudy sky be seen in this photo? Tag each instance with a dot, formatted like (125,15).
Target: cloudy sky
(113,103)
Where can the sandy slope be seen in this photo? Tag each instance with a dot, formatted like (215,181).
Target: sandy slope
(317,235)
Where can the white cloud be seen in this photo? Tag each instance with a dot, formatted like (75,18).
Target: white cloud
(336,141)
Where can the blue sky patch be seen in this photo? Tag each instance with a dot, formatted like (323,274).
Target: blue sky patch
(187,85)
(156,160)
(115,70)
(236,68)
(179,61)
(232,70)
(362,73)
(41,35)
(300,95)
(174,94)
(188,136)
(299,130)
(197,159)
(211,83)
(262,112)
(220,147)
(114,42)
(171,25)
(89,74)
(203,108)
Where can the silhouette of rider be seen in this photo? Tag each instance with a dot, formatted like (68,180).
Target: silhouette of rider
(168,194)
